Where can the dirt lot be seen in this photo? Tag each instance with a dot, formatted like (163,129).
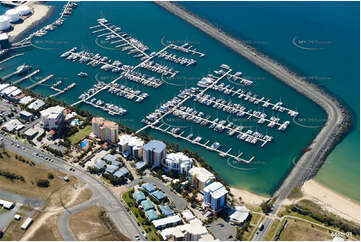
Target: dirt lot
(58,195)
(90,218)
(300,231)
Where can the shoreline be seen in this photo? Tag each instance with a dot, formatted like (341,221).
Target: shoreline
(331,200)
(40,13)
(338,122)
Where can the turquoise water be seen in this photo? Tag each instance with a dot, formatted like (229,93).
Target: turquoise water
(272,163)
(335,25)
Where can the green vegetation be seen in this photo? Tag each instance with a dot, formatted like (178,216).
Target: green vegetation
(43,183)
(311,210)
(268,205)
(139,215)
(11,176)
(296,193)
(80,135)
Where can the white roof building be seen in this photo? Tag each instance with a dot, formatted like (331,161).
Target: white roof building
(6,204)
(3,86)
(4,23)
(201,177)
(13,124)
(239,214)
(26,100)
(13,15)
(53,117)
(26,224)
(167,221)
(37,104)
(178,162)
(8,90)
(189,232)
(187,215)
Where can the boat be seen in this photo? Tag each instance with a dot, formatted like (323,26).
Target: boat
(82,74)
(23,69)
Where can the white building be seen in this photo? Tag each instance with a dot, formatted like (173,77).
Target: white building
(4,23)
(167,222)
(131,145)
(36,105)
(154,153)
(13,15)
(239,214)
(13,124)
(178,162)
(26,100)
(200,177)
(193,231)
(23,10)
(53,117)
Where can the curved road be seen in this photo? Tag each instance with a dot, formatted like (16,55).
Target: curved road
(325,138)
(116,210)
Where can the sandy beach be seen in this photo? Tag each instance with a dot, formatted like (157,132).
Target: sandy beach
(248,197)
(332,201)
(40,12)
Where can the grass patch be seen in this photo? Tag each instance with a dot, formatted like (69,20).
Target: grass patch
(296,193)
(302,231)
(148,227)
(81,134)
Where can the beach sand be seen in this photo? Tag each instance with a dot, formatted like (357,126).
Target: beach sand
(248,197)
(332,201)
(40,12)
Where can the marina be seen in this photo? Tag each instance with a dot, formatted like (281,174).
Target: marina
(127,92)
(61,91)
(40,82)
(215,146)
(239,110)
(108,107)
(26,77)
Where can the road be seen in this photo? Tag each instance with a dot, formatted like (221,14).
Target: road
(310,162)
(116,210)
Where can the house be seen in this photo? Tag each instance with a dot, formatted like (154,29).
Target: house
(111,169)
(167,222)
(200,177)
(6,204)
(121,172)
(100,165)
(151,215)
(187,215)
(166,210)
(138,196)
(140,165)
(158,195)
(146,204)
(111,159)
(148,187)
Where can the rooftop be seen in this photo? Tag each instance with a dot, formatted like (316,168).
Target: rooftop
(158,195)
(151,214)
(166,221)
(138,196)
(155,145)
(148,187)
(146,204)
(201,173)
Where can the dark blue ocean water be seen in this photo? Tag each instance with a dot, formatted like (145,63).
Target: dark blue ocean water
(319,40)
